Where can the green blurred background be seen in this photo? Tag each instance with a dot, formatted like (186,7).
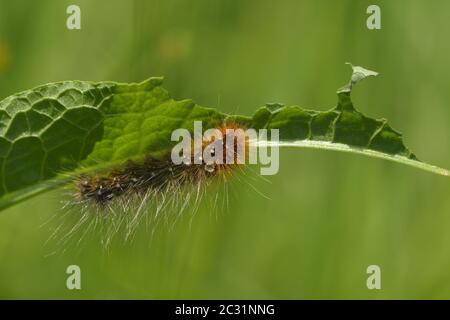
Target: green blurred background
(329,216)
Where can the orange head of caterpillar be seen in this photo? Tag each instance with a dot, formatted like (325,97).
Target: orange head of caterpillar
(224,148)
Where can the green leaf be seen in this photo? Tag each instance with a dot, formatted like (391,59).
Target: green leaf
(342,128)
(60,127)
(57,130)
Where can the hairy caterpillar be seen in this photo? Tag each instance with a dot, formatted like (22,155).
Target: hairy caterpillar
(155,189)
(160,175)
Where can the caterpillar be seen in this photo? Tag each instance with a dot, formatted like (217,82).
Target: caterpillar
(152,188)
(160,175)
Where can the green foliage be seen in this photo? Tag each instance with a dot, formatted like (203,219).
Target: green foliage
(58,127)
(342,128)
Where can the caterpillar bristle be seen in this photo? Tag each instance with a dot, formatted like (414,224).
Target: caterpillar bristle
(154,175)
(138,178)
(154,190)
